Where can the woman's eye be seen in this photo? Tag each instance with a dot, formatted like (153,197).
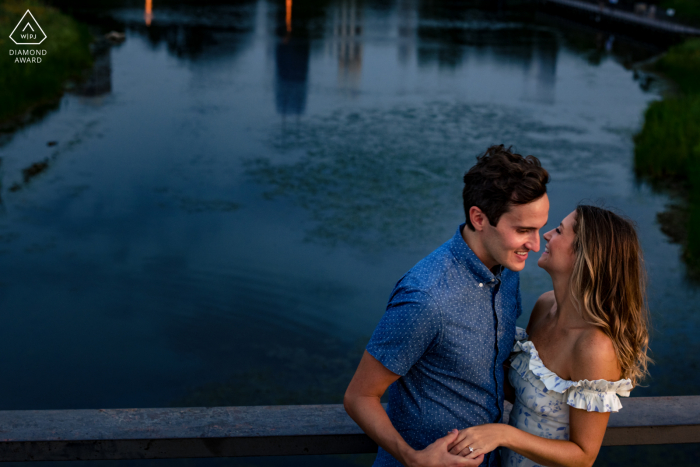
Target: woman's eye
(557,230)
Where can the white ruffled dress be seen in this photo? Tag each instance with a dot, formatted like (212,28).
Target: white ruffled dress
(542,398)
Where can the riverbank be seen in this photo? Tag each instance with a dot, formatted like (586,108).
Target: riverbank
(30,89)
(667,150)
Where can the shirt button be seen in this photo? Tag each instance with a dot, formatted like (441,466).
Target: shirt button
(481,285)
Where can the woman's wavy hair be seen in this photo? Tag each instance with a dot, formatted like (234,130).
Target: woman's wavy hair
(608,285)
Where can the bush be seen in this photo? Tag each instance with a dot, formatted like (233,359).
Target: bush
(25,86)
(682,65)
(666,146)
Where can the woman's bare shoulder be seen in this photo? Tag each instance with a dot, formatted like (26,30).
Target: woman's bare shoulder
(594,356)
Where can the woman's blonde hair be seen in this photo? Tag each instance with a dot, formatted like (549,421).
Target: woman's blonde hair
(608,285)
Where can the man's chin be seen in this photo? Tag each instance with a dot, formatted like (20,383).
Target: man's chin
(515,266)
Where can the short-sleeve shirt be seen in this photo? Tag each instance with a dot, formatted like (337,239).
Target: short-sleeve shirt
(448,328)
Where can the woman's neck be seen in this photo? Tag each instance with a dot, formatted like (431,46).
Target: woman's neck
(566,313)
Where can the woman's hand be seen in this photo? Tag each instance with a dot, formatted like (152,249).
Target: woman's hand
(482,439)
(437,455)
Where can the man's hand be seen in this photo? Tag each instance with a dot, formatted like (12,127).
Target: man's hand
(362,402)
(437,455)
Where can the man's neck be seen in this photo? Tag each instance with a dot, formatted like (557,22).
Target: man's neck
(473,240)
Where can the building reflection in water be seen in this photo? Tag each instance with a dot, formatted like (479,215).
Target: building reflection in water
(148,12)
(443,42)
(547,72)
(541,68)
(207,33)
(346,42)
(292,64)
(407,25)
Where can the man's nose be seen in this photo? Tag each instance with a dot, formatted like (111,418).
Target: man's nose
(534,242)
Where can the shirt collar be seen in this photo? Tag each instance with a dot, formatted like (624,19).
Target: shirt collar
(466,257)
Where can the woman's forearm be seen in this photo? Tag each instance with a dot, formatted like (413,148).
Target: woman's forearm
(547,452)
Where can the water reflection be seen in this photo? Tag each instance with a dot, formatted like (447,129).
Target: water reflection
(292,68)
(292,65)
(542,67)
(373,178)
(202,252)
(407,11)
(533,52)
(346,41)
(209,30)
(288,15)
(148,12)
(99,82)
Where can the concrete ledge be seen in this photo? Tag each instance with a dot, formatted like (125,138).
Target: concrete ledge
(61,435)
(655,420)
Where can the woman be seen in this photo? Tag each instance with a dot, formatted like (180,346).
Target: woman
(587,345)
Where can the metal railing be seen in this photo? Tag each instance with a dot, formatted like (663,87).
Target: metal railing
(68,435)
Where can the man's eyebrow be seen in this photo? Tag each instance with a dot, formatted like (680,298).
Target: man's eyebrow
(521,227)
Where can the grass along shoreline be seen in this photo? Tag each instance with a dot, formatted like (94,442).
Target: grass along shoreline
(667,149)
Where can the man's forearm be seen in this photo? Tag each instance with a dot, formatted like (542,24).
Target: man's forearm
(368,413)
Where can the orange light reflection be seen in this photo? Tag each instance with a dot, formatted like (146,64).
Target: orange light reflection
(148,14)
(288,16)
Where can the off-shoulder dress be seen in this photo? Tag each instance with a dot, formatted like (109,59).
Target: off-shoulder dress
(542,398)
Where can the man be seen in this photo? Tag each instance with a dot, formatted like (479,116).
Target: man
(450,322)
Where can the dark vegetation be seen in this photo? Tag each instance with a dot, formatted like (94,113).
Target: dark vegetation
(27,89)
(686,9)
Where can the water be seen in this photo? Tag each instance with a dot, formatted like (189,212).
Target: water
(233,196)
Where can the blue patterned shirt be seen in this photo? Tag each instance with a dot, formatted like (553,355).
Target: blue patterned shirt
(448,328)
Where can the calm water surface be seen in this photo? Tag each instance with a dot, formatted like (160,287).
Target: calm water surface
(234,194)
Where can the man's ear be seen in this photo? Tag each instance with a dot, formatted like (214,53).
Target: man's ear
(478,218)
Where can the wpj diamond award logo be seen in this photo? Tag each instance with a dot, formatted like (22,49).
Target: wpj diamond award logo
(28,32)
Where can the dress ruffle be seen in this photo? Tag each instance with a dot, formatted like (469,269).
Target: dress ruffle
(593,396)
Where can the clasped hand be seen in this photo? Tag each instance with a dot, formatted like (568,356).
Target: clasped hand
(482,439)
(438,455)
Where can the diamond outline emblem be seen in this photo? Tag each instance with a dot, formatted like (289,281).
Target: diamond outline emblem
(37,24)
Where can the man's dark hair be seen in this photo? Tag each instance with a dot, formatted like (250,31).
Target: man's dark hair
(501,179)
